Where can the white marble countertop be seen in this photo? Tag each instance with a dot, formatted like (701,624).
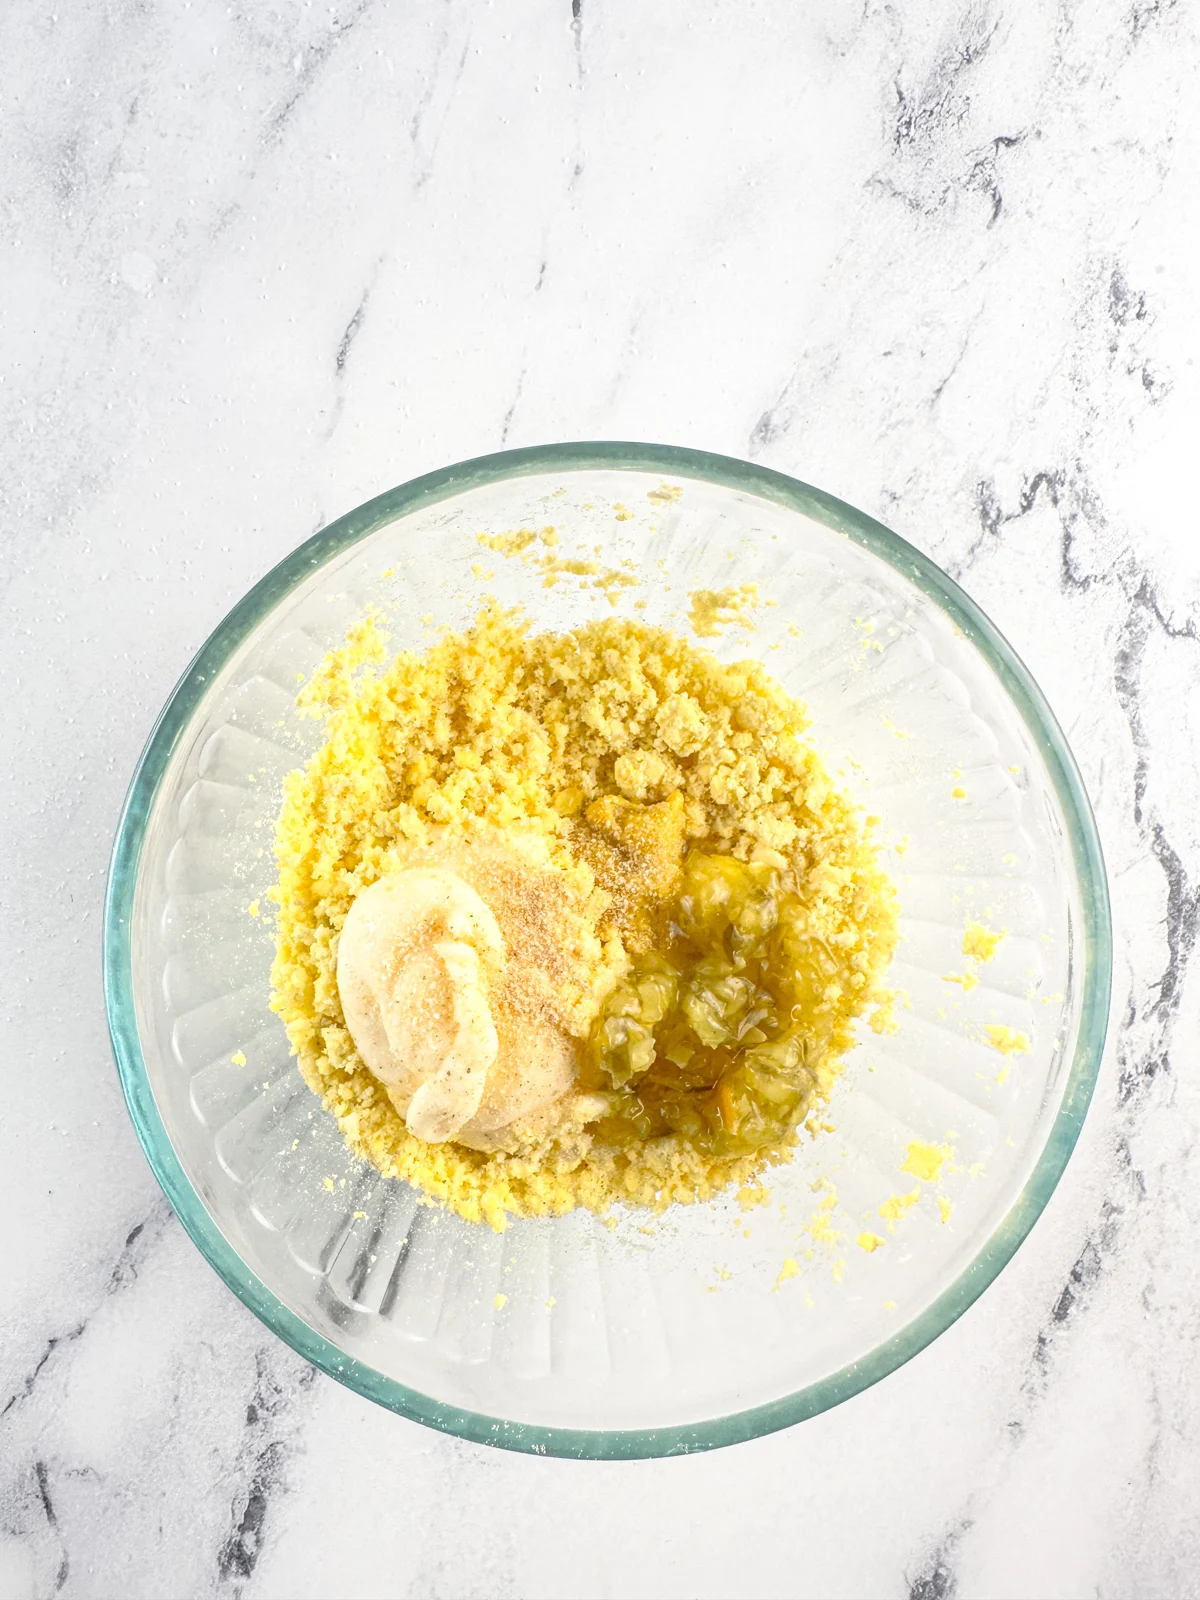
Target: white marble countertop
(263,262)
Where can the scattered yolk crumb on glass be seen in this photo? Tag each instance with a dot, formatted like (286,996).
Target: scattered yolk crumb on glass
(944,1207)
(644,874)
(899,1205)
(870,1242)
(500,1301)
(980,942)
(925,1161)
(1009,1041)
(713,610)
(238,1058)
(789,1269)
(522,543)
(820,1225)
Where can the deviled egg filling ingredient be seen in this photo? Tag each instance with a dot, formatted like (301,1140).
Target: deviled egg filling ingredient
(569,919)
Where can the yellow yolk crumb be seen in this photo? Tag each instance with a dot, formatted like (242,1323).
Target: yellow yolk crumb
(980,942)
(331,686)
(958,792)
(715,609)
(899,1205)
(789,1269)
(820,1228)
(511,544)
(665,494)
(1008,1041)
(925,1161)
(609,581)
(238,1058)
(254,908)
(944,1207)
(883,1019)
(500,1301)
(869,1242)
(498,731)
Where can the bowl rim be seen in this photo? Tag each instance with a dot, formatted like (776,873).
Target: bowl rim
(993,1254)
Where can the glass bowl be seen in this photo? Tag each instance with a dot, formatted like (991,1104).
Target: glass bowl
(632,1335)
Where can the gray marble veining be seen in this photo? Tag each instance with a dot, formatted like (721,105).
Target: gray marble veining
(262,262)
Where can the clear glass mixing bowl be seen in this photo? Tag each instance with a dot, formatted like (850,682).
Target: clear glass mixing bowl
(714,1323)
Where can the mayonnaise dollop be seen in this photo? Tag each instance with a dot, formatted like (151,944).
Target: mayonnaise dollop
(422,971)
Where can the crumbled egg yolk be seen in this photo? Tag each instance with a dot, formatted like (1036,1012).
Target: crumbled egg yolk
(980,942)
(497,733)
(1009,1041)
(925,1161)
